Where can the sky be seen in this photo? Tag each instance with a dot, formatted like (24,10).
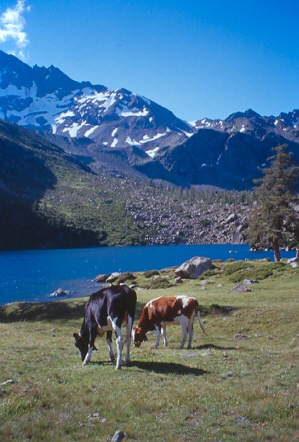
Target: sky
(197,58)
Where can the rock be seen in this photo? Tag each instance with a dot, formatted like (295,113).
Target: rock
(101,278)
(113,277)
(230,374)
(118,436)
(240,336)
(194,267)
(58,292)
(207,281)
(230,218)
(250,281)
(294,262)
(9,381)
(241,288)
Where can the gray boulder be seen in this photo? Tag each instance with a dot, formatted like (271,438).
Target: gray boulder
(241,288)
(58,292)
(194,267)
(102,277)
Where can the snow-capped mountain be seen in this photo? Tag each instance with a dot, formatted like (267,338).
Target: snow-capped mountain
(250,122)
(226,153)
(121,132)
(47,100)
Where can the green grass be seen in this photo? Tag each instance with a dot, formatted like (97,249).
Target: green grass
(239,382)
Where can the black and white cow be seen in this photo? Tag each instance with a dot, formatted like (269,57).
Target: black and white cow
(106,311)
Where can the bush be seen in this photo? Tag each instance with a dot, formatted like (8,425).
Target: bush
(126,276)
(151,273)
(279,266)
(235,267)
(256,274)
(159,283)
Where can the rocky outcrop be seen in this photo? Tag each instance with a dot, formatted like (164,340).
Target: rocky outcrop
(194,267)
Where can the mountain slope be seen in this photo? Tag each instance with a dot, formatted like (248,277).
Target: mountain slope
(227,154)
(51,199)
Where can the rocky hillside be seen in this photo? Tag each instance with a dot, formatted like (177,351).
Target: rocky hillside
(181,216)
(51,199)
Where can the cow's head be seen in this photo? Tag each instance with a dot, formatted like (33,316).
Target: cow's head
(138,336)
(82,344)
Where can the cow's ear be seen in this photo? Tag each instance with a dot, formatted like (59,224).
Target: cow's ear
(77,337)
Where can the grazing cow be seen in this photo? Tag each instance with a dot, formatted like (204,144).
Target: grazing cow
(159,312)
(105,311)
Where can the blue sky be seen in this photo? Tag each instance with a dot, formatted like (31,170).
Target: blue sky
(197,58)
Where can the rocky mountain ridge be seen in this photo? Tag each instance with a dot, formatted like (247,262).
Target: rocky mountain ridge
(47,100)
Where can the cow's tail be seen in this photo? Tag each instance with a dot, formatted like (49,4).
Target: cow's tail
(200,323)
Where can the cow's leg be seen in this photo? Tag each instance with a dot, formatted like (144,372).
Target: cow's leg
(129,326)
(109,343)
(119,343)
(190,331)
(163,333)
(183,320)
(92,337)
(158,331)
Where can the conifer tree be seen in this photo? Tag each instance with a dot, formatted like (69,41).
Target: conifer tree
(275,221)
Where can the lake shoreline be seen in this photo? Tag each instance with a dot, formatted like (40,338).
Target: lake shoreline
(31,276)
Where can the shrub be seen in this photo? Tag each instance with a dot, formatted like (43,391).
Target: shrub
(214,271)
(126,276)
(151,273)
(256,274)
(280,266)
(159,283)
(235,267)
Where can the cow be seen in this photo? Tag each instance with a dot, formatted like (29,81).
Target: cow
(106,311)
(159,312)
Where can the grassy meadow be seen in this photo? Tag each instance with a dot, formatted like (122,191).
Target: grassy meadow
(238,383)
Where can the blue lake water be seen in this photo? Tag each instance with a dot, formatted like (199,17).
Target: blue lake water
(33,275)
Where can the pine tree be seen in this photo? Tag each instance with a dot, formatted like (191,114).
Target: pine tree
(275,221)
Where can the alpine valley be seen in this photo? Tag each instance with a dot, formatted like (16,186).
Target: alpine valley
(83,165)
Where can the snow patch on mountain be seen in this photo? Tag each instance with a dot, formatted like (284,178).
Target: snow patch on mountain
(132,142)
(114,142)
(152,153)
(147,139)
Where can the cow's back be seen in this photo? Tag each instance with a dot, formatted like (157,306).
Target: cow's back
(121,299)
(110,301)
(164,308)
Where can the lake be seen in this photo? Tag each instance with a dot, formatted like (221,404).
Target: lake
(34,274)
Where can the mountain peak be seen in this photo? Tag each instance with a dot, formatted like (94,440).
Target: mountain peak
(249,113)
(47,100)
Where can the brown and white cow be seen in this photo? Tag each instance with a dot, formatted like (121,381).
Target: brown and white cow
(106,311)
(159,312)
